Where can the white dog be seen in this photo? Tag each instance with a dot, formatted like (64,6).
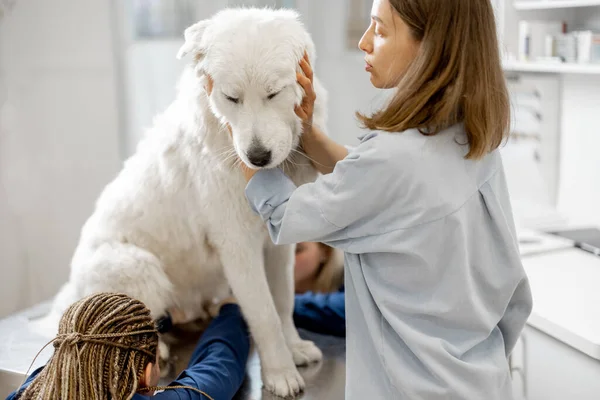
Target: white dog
(174,228)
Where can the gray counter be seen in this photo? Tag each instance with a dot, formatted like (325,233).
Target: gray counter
(324,381)
(19,345)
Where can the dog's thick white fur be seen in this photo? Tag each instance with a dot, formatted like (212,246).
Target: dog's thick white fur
(174,228)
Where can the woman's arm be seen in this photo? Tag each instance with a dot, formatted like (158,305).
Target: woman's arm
(218,364)
(323,151)
(330,210)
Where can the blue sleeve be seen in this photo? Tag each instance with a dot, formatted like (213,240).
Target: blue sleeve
(218,364)
(326,210)
(21,389)
(321,313)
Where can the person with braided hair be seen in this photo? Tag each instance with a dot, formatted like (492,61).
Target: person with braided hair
(107,348)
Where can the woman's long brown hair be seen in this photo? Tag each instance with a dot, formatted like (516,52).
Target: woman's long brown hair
(456,77)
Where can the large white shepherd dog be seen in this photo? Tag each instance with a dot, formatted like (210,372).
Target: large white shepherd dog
(174,228)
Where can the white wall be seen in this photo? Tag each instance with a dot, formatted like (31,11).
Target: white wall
(340,69)
(58,138)
(151,72)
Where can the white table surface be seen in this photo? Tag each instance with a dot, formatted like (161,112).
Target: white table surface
(565,284)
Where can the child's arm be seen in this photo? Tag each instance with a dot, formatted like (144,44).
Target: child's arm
(321,312)
(218,364)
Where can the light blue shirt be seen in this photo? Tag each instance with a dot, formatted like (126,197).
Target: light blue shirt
(436,295)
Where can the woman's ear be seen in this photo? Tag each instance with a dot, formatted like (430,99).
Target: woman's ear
(150,377)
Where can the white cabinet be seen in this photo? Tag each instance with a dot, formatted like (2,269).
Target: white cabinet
(559,353)
(556,371)
(577,14)
(577,118)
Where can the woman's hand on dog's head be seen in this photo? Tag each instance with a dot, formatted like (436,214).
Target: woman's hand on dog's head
(305,109)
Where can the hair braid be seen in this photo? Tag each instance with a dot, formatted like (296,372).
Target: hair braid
(104,343)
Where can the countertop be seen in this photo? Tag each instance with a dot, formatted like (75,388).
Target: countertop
(565,285)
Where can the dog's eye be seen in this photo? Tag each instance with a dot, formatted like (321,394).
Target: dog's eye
(232,99)
(273,95)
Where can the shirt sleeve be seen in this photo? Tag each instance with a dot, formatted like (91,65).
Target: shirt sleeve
(320,211)
(321,313)
(218,364)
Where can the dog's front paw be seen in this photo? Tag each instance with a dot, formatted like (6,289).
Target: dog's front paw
(305,352)
(283,383)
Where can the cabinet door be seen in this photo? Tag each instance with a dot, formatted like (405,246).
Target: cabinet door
(556,371)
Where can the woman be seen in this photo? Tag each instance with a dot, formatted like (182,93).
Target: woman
(107,348)
(436,295)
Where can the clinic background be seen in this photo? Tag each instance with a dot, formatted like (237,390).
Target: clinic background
(81,79)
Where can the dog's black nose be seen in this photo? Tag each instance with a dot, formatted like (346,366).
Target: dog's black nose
(258,155)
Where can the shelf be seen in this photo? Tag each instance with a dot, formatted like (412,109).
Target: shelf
(554,68)
(547,4)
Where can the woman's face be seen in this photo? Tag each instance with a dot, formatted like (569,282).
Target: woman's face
(389,46)
(309,256)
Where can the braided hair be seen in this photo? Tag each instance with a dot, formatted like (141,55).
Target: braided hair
(103,345)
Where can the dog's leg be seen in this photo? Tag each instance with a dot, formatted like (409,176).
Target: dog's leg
(243,263)
(279,266)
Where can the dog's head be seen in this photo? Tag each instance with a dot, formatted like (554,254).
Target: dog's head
(248,58)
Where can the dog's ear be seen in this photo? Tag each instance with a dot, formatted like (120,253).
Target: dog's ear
(193,35)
